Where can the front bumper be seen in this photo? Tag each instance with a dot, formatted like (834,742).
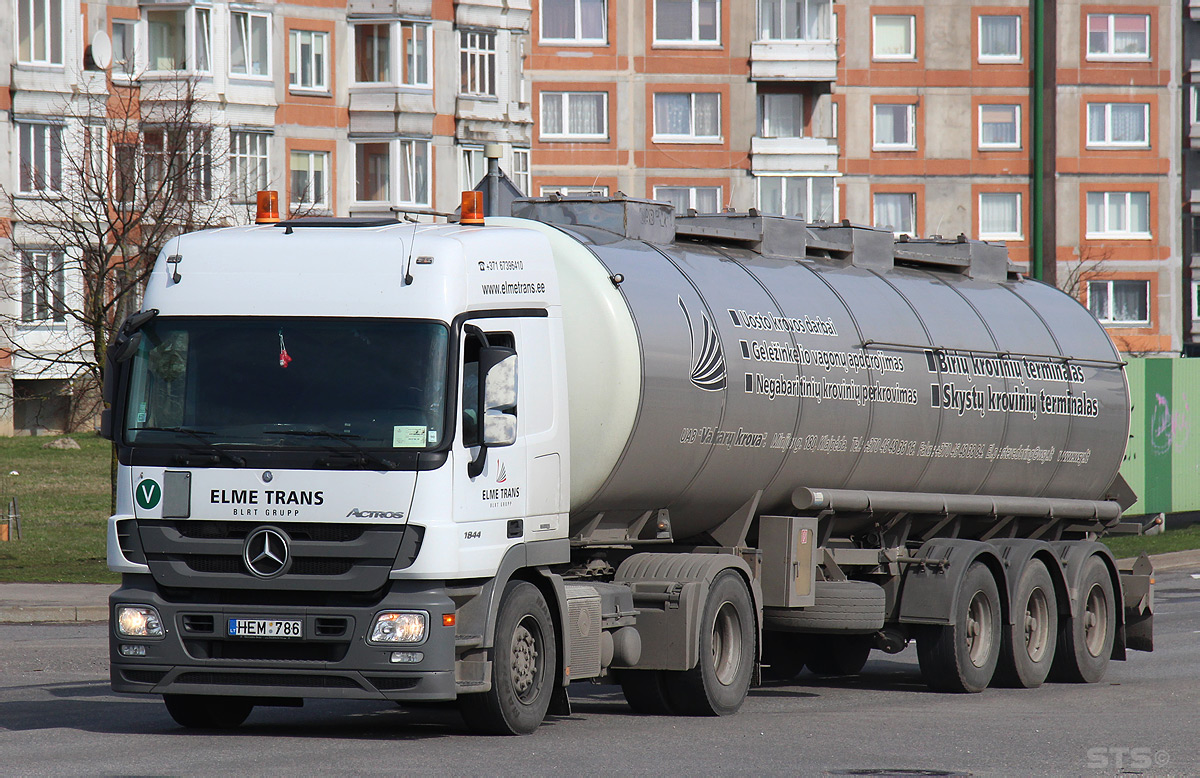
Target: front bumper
(333,659)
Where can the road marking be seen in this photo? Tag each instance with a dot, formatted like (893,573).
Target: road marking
(1195,575)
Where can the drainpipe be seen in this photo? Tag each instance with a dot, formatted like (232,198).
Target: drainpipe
(1043,237)
(1037,10)
(493,151)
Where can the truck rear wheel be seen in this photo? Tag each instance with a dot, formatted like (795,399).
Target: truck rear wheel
(201,711)
(717,685)
(523,667)
(783,655)
(1085,641)
(961,657)
(838,655)
(1027,651)
(646,692)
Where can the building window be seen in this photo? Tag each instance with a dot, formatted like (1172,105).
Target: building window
(203,39)
(999,126)
(95,161)
(1118,214)
(805,20)
(574,191)
(1195,300)
(895,126)
(999,38)
(249,44)
(178,164)
(1118,124)
(414,172)
(415,64)
(308,60)
(372,53)
(574,21)
(41,157)
(1118,36)
(896,211)
(895,37)
(43,286)
(810,198)
(687,21)
(40,31)
(373,171)
(1000,216)
(1195,109)
(249,163)
(574,115)
(780,115)
(124,46)
(703,199)
(376,60)
(472,167)
(172,34)
(124,173)
(478,64)
(310,181)
(1120,302)
(684,116)
(520,171)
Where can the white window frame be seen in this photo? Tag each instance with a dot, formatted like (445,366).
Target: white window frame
(406,157)
(296,66)
(1195,300)
(190,39)
(124,69)
(989,58)
(762,33)
(661,137)
(1016,144)
(521,176)
(47,41)
(478,76)
(694,41)
(764,118)
(1108,143)
(572,190)
(40,169)
(389,169)
(566,134)
(577,39)
(313,203)
(909,56)
(48,299)
(389,59)
(472,165)
(1108,285)
(95,159)
(248,48)
(1194,113)
(692,193)
(1015,234)
(911,118)
(808,195)
(249,163)
(1110,54)
(913,211)
(1122,232)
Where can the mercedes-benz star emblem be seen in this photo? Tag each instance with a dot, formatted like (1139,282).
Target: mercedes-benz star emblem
(266,553)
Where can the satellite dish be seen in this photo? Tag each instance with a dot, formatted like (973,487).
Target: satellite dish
(101,50)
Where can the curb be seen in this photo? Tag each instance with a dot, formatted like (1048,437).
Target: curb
(63,614)
(1172,560)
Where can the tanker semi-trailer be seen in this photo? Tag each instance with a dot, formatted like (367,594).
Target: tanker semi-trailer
(478,461)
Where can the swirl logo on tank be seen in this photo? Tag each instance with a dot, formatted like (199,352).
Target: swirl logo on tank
(708,361)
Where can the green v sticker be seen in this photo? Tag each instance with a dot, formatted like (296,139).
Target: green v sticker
(147,494)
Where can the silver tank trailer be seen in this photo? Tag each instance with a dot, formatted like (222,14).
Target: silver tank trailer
(712,357)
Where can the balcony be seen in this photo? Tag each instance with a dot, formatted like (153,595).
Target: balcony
(793,155)
(793,60)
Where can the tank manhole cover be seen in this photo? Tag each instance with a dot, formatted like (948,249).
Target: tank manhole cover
(890,772)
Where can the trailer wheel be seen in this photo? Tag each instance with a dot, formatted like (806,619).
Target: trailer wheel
(839,655)
(201,711)
(523,667)
(1027,650)
(961,657)
(717,685)
(646,692)
(1085,641)
(783,655)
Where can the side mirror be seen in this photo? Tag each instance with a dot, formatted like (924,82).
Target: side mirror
(498,390)
(499,429)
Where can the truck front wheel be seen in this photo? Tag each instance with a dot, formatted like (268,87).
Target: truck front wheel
(198,711)
(524,661)
(718,684)
(961,657)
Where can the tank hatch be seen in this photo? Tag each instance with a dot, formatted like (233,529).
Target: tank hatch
(647,220)
(775,235)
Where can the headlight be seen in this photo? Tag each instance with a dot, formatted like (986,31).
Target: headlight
(399,627)
(138,621)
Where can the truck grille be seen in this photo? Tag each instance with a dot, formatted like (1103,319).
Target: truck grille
(332,557)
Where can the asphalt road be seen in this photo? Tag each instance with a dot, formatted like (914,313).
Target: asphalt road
(58,716)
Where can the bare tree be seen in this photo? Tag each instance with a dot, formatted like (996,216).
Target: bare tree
(131,168)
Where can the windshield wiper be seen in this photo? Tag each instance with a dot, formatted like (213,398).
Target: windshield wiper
(199,436)
(364,456)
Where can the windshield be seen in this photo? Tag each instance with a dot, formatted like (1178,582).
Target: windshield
(289,382)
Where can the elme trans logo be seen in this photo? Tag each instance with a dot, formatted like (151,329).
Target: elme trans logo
(708,361)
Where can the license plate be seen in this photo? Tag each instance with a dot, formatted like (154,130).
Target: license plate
(266,628)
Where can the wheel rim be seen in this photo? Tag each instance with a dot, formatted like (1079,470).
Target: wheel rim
(979,629)
(1037,624)
(526,657)
(727,644)
(1095,620)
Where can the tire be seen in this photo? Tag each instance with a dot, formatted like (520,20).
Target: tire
(838,655)
(199,711)
(783,655)
(1027,651)
(718,684)
(841,606)
(962,657)
(524,667)
(646,692)
(1085,641)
